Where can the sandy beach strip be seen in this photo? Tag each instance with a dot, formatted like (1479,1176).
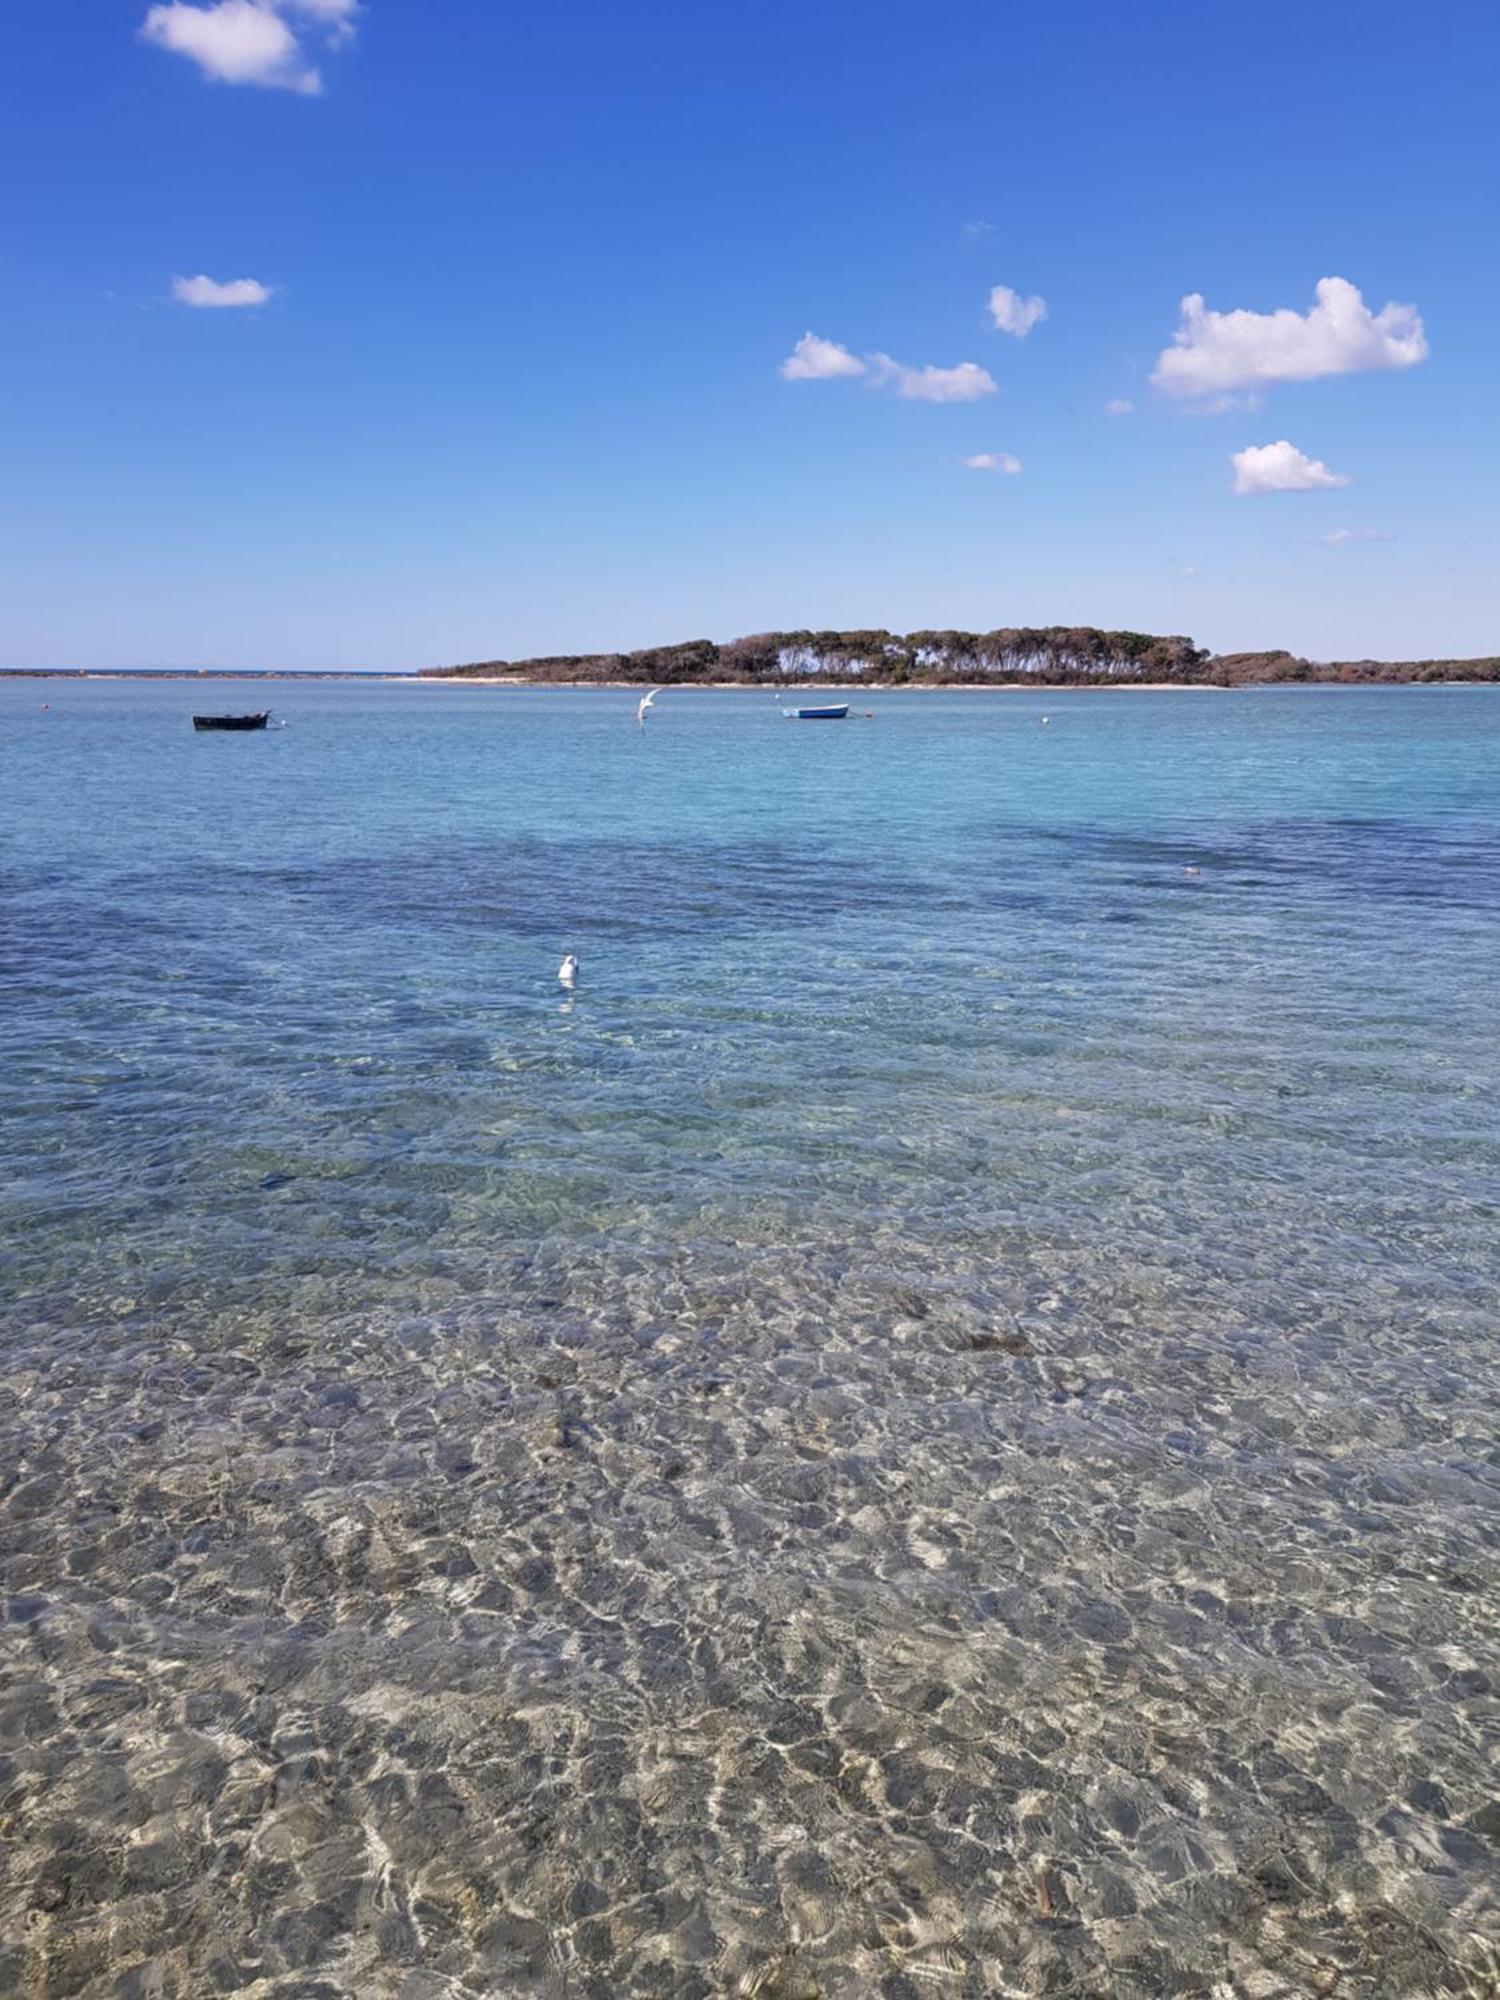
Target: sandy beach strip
(802,689)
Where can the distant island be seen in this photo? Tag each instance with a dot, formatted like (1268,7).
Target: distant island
(1020,656)
(1040,656)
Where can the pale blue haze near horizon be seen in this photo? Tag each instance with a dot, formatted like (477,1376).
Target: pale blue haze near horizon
(532,278)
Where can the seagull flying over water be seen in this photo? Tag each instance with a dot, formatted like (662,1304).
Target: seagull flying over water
(643,706)
(567,972)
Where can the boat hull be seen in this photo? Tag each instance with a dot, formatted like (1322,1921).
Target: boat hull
(836,713)
(232,721)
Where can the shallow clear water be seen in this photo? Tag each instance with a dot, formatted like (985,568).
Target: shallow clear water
(931,1431)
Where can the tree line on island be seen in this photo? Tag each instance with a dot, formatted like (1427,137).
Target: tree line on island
(1018,656)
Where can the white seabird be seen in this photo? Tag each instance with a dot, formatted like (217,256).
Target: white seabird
(567,972)
(643,706)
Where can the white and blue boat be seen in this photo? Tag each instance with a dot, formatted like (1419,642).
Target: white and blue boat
(833,712)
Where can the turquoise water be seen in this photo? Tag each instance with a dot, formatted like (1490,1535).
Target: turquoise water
(930,1430)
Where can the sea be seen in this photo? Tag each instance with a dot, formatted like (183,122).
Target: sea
(931,1428)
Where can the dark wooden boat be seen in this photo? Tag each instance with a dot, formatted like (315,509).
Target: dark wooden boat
(257,721)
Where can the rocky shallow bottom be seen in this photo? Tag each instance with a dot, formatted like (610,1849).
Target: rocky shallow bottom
(829,1621)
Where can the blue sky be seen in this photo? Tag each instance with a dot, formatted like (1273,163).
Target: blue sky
(532,276)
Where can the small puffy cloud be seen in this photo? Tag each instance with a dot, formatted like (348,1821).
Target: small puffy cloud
(250,41)
(337,16)
(1118,406)
(817,360)
(1013,314)
(993,461)
(237,41)
(1280,468)
(202,291)
(1214,352)
(1343,535)
(814,359)
(963,384)
(976,231)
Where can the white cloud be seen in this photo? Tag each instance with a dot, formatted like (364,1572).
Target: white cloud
(336,15)
(1013,314)
(1119,406)
(1280,468)
(249,41)
(1212,352)
(814,359)
(1342,535)
(993,461)
(963,384)
(817,360)
(975,230)
(236,41)
(203,291)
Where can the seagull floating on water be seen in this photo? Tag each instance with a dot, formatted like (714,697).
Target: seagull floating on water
(643,706)
(567,972)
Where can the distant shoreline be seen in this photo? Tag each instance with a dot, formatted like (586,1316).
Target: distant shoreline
(798,689)
(1038,659)
(801,689)
(246,674)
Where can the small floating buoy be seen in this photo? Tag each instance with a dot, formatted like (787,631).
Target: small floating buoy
(1192,871)
(567,972)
